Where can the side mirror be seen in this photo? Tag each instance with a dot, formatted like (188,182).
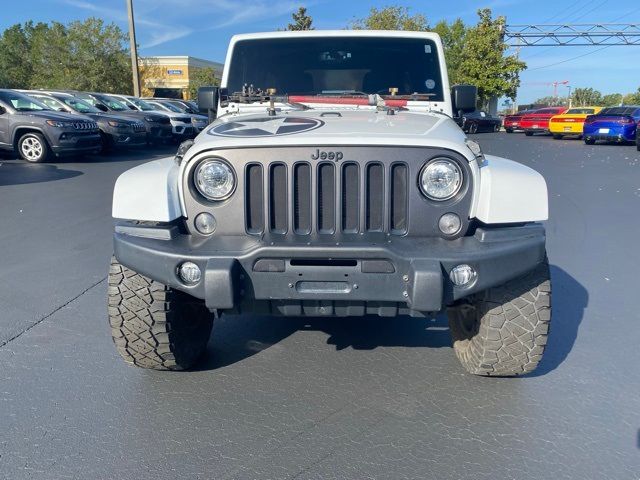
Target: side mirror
(208,98)
(464,98)
(2,110)
(100,106)
(60,109)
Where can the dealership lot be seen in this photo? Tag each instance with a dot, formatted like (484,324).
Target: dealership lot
(317,398)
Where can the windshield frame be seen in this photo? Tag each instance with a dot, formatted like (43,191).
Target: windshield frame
(433,69)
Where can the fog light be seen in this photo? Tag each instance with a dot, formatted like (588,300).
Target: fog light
(449,224)
(189,273)
(462,275)
(205,223)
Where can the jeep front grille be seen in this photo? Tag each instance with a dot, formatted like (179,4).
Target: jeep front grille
(327,198)
(85,125)
(139,127)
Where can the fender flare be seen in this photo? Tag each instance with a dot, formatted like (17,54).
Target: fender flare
(148,192)
(510,192)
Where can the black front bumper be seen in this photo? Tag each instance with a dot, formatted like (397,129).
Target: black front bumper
(343,276)
(71,143)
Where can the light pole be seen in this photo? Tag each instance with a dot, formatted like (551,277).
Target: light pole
(569,95)
(134,50)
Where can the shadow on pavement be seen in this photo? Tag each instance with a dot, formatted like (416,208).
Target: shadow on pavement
(23,173)
(238,337)
(569,300)
(147,153)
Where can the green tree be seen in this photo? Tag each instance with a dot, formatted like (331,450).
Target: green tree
(301,21)
(484,62)
(15,64)
(453,37)
(86,55)
(552,101)
(583,97)
(202,77)
(611,100)
(391,18)
(632,98)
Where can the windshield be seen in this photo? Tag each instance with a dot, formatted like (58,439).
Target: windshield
(183,108)
(330,65)
(618,111)
(168,106)
(52,103)
(142,105)
(113,104)
(22,103)
(80,106)
(588,111)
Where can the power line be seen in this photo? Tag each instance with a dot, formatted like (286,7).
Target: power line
(589,11)
(570,59)
(625,15)
(563,11)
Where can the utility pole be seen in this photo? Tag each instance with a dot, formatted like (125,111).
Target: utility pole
(134,50)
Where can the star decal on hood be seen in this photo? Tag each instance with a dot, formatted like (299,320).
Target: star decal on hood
(266,127)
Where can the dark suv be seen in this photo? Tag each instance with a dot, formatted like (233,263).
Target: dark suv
(36,132)
(117,131)
(158,125)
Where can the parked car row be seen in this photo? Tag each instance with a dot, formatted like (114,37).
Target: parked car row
(40,124)
(592,124)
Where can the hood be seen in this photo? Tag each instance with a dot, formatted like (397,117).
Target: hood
(116,117)
(139,114)
(334,127)
(55,115)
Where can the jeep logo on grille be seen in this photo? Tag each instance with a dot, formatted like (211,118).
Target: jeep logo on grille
(322,155)
(266,127)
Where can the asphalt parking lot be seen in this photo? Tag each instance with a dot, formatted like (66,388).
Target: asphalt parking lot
(318,398)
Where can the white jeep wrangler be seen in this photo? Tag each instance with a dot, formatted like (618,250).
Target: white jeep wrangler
(333,181)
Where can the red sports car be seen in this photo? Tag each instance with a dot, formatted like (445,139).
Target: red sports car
(538,120)
(512,122)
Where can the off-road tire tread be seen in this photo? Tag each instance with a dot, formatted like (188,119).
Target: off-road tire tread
(511,334)
(152,325)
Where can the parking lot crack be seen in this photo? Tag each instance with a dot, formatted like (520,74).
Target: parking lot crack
(42,319)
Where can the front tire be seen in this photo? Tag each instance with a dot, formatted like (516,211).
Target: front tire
(589,140)
(155,326)
(33,148)
(503,331)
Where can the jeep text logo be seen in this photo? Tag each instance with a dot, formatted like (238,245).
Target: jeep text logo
(322,155)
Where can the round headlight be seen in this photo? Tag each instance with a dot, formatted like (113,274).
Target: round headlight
(214,179)
(440,179)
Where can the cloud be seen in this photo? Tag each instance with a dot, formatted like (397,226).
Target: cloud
(161,22)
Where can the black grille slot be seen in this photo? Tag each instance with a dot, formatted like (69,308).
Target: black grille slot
(326,198)
(278,198)
(398,213)
(302,198)
(374,205)
(254,198)
(350,197)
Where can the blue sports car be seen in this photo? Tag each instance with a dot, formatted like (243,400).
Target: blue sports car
(612,124)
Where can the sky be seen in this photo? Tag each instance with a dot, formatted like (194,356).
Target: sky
(202,28)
